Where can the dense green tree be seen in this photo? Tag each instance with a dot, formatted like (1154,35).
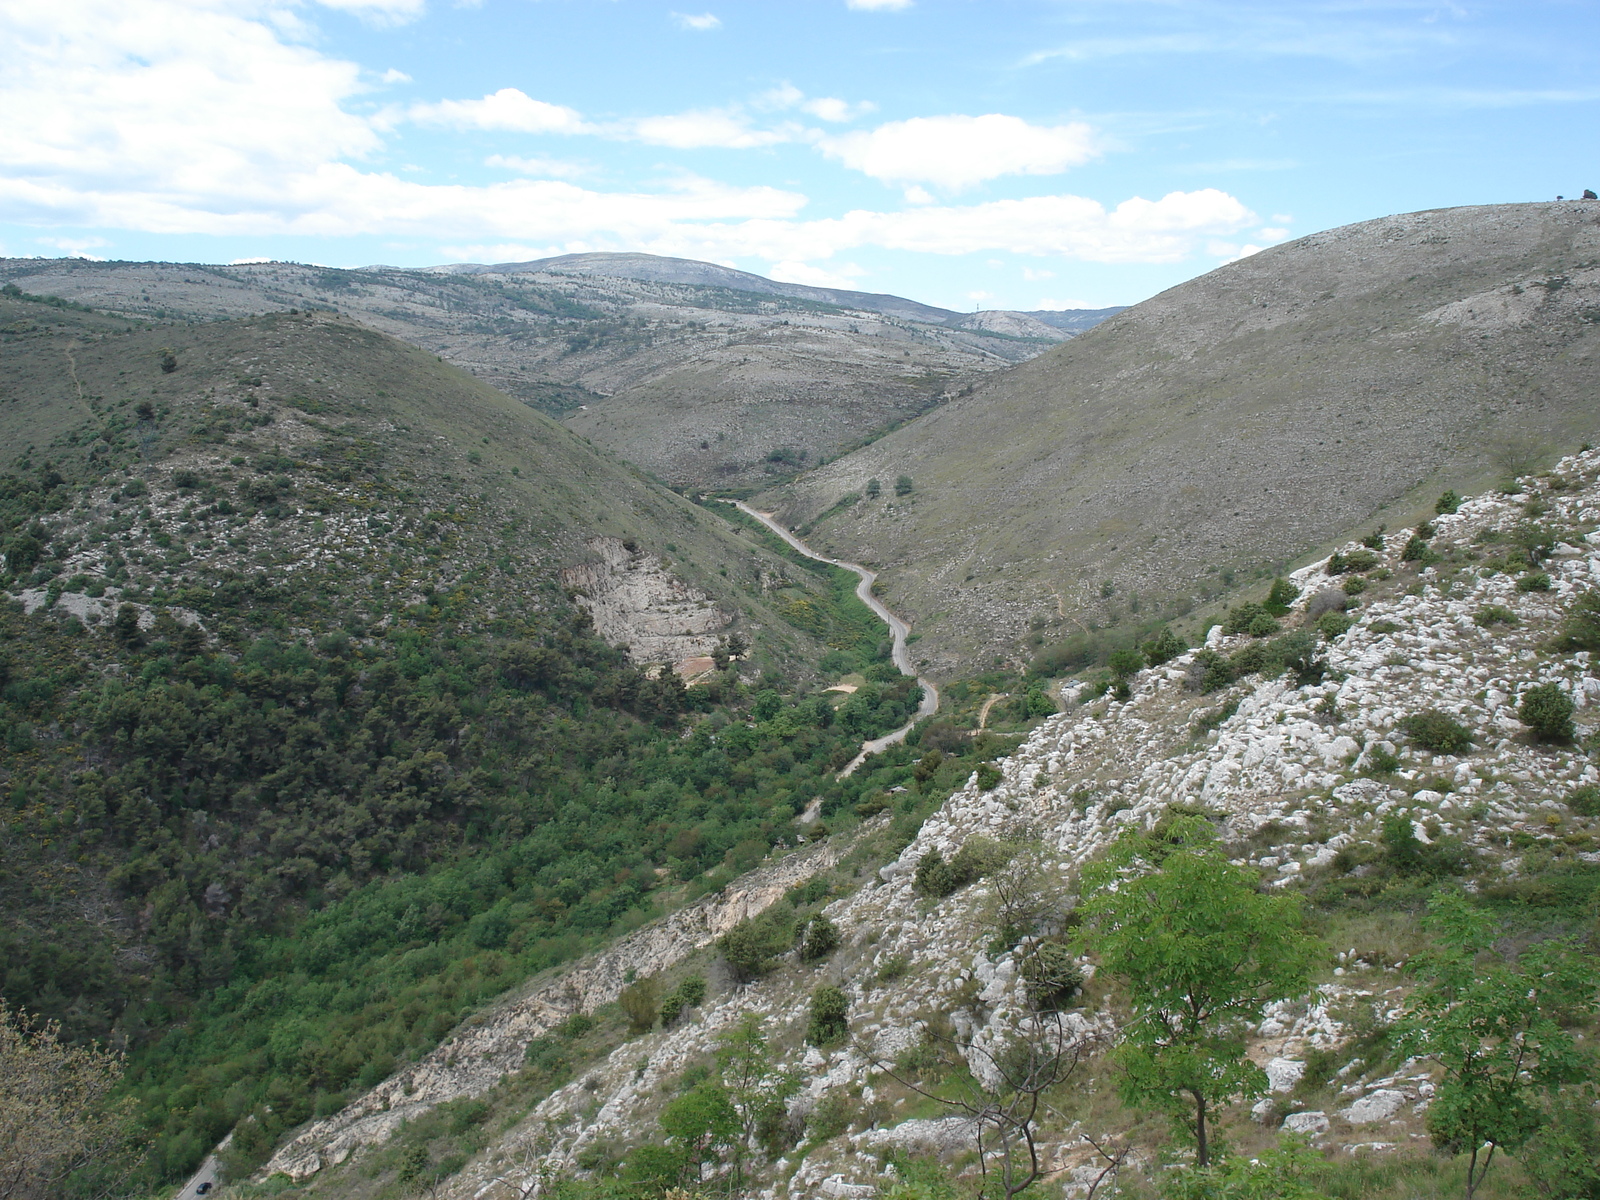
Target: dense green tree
(1200,950)
(1500,1030)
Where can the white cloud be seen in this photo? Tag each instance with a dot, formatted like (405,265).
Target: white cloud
(723,128)
(380,12)
(704,23)
(955,152)
(1034,276)
(549,168)
(76,247)
(509,108)
(830,108)
(813,276)
(395,76)
(198,117)
(246,262)
(878,5)
(1274,235)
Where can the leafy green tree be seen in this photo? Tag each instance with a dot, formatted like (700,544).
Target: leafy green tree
(58,1121)
(1448,502)
(902,485)
(701,1125)
(756,1089)
(1200,950)
(1498,1029)
(873,489)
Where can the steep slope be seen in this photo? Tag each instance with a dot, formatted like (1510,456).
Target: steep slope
(311,747)
(1228,426)
(646,356)
(1315,778)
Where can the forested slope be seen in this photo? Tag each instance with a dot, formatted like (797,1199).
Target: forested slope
(308,748)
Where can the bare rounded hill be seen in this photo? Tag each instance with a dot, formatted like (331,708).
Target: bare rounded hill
(1229,425)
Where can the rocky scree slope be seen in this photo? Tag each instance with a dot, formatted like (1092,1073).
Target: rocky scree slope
(700,377)
(1231,424)
(1299,776)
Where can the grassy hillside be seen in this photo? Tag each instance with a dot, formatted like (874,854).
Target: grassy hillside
(308,749)
(1226,427)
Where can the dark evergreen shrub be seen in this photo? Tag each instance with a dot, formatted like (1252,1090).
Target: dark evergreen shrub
(1547,710)
(1437,731)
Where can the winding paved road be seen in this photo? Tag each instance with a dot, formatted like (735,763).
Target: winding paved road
(898,629)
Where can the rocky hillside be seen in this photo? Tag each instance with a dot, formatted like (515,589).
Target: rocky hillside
(1227,427)
(702,375)
(1364,751)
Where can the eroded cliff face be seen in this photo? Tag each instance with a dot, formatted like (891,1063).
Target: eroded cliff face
(637,603)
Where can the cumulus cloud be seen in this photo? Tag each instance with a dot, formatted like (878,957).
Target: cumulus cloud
(508,109)
(704,23)
(724,128)
(829,108)
(956,152)
(200,117)
(549,168)
(877,5)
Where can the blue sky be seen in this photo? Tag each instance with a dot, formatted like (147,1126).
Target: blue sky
(1052,153)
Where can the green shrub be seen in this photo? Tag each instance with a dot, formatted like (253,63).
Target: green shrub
(1580,627)
(1052,974)
(977,857)
(894,967)
(640,1000)
(1382,762)
(1280,596)
(902,485)
(751,946)
(1547,710)
(1333,624)
(1415,549)
(831,1116)
(1374,540)
(829,1022)
(1534,581)
(1585,801)
(1263,624)
(1360,560)
(1447,503)
(1238,620)
(1210,672)
(1437,731)
(989,777)
(1401,846)
(1163,647)
(821,939)
(1354,586)
(1336,564)
(1125,662)
(1494,614)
